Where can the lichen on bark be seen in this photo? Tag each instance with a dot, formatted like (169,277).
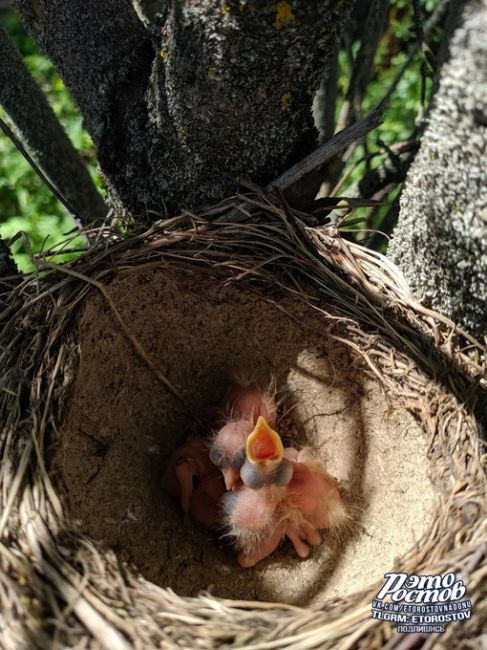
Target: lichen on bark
(238,80)
(440,242)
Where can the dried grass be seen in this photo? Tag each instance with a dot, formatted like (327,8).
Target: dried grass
(58,590)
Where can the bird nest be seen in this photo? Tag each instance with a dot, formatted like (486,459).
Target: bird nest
(109,362)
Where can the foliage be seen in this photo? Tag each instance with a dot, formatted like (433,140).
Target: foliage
(406,106)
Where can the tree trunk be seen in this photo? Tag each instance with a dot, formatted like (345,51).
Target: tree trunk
(440,241)
(225,90)
(43,135)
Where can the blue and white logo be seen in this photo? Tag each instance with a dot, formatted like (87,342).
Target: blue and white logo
(423,604)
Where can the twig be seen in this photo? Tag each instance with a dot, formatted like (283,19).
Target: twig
(40,172)
(323,154)
(418,28)
(433,21)
(53,252)
(363,63)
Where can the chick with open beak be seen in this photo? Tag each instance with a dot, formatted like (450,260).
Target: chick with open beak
(252,512)
(285,493)
(265,463)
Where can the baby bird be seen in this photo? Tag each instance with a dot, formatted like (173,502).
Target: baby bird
(192,478)
(243,404)
(252,512)
(312,502)
(252,521)
(284,493)
(248,401)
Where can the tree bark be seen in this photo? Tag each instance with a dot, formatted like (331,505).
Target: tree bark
(147,10)
(225,91)
(7,265)
(440,241)
(43,135)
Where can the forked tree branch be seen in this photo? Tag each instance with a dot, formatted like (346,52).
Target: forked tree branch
(104,55)
(224,92)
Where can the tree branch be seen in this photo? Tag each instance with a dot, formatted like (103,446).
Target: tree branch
(43,135)
(93,45)
(301,182)
(245,109)
(363,63)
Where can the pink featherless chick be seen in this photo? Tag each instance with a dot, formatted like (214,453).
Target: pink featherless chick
(243,405)
(312,502)
(191,477)
(252,512)
(284,493)
(245,400)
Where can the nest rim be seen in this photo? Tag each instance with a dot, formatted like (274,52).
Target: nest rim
(275,248)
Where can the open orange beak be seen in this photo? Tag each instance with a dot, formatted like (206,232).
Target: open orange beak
(264,444)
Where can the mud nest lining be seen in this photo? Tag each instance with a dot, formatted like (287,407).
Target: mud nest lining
(111,449)
(118,354)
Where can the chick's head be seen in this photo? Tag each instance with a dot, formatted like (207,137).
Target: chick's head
(265,463)
(227,450)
